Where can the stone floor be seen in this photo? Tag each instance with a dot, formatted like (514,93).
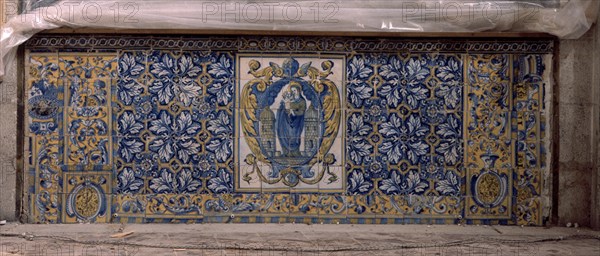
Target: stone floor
(294,239)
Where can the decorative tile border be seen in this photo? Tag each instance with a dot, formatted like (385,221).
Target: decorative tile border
(294,44)
(285,129)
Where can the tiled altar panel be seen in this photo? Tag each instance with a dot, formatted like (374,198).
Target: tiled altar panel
(148,135)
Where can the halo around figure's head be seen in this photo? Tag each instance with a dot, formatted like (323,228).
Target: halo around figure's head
(296,85)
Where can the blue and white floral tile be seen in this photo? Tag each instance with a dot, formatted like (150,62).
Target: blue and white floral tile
(172,123)
(220,181)
(129,179)
(132,78)
(175,177)
(398,128)
(404,81)
(181,180)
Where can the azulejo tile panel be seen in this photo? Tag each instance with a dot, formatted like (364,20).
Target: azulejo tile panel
(285,129)
(288,123)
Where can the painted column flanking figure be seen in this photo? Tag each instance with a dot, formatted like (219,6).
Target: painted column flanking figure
(267,130)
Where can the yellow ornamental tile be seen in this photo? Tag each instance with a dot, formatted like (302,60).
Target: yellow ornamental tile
(46,157)
(529,211)
(275,204)
(160,206)
(45,207)
(42,68)
(128,208)
(304,205)
(86,197)
(478,149)
(489,194)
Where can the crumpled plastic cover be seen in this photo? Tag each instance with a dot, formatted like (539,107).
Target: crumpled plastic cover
(567,19)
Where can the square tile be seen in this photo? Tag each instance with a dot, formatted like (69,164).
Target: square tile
(304,207)
(486,153)
(529,154)
(528,125)
(363,207)
(489,194)
(228,208)
(86,197)
(275,205)
(529,211)
(180,180)
(128,208)
(45,208)
(129,180)
(45,118)
(88,151)
(47,164)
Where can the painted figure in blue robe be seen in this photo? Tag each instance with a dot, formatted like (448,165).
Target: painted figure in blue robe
(290,120)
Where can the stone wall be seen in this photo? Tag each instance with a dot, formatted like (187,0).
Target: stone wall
(8,142)
(578,144)
(595,208)
(578,165)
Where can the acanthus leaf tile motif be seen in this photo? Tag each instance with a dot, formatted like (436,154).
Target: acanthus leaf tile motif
(405,130)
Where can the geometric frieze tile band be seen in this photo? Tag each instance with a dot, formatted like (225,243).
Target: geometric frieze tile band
(285,129)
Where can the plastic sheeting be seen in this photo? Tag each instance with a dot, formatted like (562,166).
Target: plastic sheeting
(564,18)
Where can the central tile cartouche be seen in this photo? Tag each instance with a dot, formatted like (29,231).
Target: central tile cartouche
(289,124)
